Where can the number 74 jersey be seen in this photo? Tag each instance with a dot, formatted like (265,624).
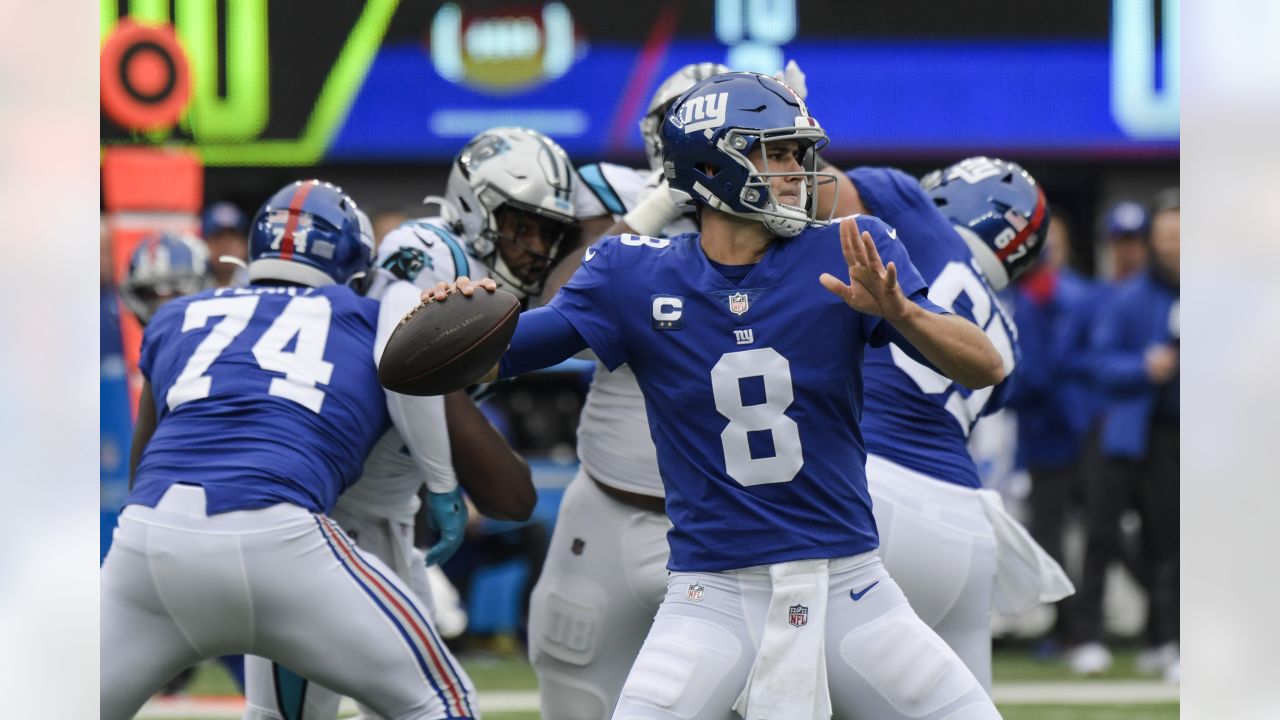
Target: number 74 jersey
(263,395)
(753,389)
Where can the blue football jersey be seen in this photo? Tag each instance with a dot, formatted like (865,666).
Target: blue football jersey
(913,415)
(753,389)
(264,395)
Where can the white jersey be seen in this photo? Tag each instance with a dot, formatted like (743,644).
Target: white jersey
(420,252)
(614,444)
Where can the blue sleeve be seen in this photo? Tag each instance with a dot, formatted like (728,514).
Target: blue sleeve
(885,190)
(587,302)
(913,286)
(1118,367)
(543,338)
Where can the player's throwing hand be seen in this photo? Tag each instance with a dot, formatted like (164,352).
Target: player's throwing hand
(873,288)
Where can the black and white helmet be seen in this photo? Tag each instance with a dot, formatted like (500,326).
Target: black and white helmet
(670,89)
(509,167)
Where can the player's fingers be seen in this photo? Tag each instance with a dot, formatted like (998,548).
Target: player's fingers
(873,255)
(859,252)
(439,292)
(848,231)
(891,276)
(489,284)
(834,285)
(463,284)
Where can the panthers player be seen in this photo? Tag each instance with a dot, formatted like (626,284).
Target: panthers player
(164,266)
(508,212)
(938,530)
(752,380)
(259,405)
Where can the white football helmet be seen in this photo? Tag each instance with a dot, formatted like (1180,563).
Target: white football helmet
(510,167)
(670,89)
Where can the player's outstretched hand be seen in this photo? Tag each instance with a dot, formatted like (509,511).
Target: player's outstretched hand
(463,284)
(448,514)
(873,288)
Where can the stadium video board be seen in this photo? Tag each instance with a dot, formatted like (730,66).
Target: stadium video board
(385,80)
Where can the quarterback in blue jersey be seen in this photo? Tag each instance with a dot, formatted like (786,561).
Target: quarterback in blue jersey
(259,406)
(751,374)
(942,538)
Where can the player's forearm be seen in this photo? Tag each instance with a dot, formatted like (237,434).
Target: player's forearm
(143,428)
(496,479)
(957,347)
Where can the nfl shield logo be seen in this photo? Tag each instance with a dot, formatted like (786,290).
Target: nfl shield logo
(798,616)
(738,303)
(694,593)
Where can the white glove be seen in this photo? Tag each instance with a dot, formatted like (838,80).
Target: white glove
(793,77)
(654,213)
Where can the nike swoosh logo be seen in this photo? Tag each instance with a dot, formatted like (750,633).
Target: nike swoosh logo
(590,253)
(858,595)
(893,233)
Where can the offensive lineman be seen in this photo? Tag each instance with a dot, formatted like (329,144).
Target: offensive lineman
(753,386)
(942,538)
(506,207)
(259,405)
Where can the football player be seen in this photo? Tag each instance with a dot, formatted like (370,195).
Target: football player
(259,406)
(752,380)
(605,573)
(970,229)
(164,266)
(506,207)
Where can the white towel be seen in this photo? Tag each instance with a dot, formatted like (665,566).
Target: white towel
(788,680)
(1025,573)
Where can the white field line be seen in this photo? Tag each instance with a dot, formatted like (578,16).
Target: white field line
(1096,692)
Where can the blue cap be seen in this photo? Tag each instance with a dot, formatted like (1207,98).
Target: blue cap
(223,216)
(1126,218)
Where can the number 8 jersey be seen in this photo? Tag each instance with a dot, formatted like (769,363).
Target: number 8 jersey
(753,389)
(265,394)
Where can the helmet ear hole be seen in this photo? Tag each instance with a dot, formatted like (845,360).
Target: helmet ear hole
(708,169)
(939,202)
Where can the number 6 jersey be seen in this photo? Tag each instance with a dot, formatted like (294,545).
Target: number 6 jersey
(753,388)
(266,394)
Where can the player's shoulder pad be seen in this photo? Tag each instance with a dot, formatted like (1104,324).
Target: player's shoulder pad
(596,176)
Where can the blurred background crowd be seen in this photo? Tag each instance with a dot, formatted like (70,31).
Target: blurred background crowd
(1087,452)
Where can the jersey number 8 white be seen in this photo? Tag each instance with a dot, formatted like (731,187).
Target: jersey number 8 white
(304,367)
(768,415)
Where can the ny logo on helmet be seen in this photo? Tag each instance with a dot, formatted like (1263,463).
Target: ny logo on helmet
(702,112)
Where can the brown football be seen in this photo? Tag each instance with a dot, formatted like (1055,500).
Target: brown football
(440,347)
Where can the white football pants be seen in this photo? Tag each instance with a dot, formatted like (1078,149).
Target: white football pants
(280,582)
(275,692)
(882,660)
(938,544)
(603,581)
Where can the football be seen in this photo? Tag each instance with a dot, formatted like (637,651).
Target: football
(440,347)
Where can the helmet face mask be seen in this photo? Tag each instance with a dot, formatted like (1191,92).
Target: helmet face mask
(709,138)
(512,169)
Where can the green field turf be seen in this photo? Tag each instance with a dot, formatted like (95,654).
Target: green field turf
(513,673)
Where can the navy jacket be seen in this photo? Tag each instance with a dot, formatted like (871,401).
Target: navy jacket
(1140,314)
(1053,396)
